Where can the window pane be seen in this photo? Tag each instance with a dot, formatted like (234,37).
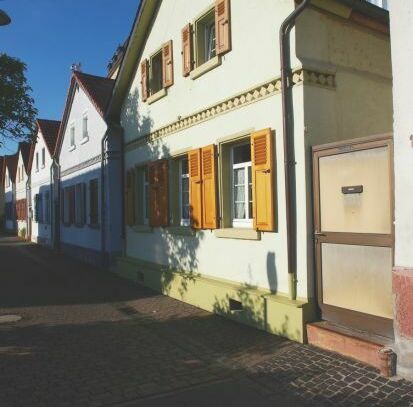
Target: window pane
(242,153)
(249,193)
(184,166)
(210,41)
(156,67)
(239,193)
(185,198)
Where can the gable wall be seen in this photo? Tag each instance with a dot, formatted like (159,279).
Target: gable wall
(96,128)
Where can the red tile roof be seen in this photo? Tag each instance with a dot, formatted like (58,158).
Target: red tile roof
(27,149)
(50,131)
(97,88)
(11,164)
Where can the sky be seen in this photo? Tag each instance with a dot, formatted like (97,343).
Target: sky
(51,35)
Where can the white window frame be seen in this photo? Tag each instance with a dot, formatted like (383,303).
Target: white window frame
(72,140)
(247,222)
(85,134)
(182,176)
(201,39)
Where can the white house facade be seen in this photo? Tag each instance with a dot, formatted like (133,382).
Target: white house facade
(23,204)
(201,108)
(79,158)
(41,181)
(10,192)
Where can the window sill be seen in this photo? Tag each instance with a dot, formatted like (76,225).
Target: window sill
(205,67)
(142,229)
(84,140)
(156,96)
(181,230)
(238,233)
(71,148)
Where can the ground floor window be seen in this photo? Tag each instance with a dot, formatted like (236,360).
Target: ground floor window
(184,191)
(38,208)
(94,202)
(241,185)
(80,207)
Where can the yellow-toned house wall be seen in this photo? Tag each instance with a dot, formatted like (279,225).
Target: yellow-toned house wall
(218,269)
(261,309)
(359,105)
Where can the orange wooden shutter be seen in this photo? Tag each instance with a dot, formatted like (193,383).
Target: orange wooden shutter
(144,79)
(263,180)
(167,64)
(195,188)
(222,26)
(209,187)
(158,194)
(187,50)
(129,198)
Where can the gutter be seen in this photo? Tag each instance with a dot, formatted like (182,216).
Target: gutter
(102,196)
(288,142)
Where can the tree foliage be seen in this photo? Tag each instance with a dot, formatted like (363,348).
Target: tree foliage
(17,111)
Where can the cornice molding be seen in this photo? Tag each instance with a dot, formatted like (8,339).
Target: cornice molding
(299,76)
(81,166)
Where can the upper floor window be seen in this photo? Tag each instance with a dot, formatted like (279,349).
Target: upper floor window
(85,131)
(43,157)
(37,161)
(207,38)
(72,136)
(7,181)
(157,73)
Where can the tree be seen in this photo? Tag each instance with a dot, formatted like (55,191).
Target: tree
(17,111)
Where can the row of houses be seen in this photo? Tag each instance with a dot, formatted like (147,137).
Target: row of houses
(208,168)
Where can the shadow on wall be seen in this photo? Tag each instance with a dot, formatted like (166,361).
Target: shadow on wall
(173,248)
(173,251)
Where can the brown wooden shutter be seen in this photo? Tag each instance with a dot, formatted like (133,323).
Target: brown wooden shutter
(209,188)
(144,79)
(195,188)
(72,205)
(167,64)
(187,50)
(263,180)
(83,203)
(158,194)
(222,26)
(129,198)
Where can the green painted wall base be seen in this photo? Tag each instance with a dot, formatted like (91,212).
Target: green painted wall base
(256,307)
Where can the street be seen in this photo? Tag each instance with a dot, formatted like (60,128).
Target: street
(89,338)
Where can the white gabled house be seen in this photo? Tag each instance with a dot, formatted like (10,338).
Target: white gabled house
(10,192)
(80,149)
(41,181)
(23,200)
(209,143)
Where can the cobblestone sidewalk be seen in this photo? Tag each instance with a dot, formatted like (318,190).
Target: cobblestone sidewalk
(88,338)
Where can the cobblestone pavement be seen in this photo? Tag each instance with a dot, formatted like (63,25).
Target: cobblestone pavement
(89,338)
